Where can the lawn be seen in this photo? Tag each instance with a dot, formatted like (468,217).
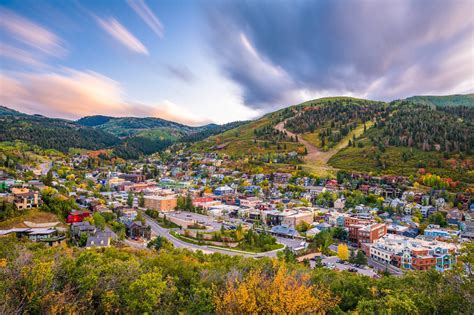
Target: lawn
(32,215)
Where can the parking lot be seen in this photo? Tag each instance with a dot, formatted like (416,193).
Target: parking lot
(333,263)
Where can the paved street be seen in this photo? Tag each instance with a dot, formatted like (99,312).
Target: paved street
(158,230)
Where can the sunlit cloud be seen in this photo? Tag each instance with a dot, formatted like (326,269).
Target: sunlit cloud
(20,56)
(24,31)
(73,94)
(150,19)
(122,35)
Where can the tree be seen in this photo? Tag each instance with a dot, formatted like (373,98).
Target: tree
(141,200)
(48,181)
(360,258)
(159,243)
(144,294)
(342,251)
(130,199)
(99,221)
(283,293)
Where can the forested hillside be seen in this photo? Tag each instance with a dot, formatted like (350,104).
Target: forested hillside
(448,100)
(53,133)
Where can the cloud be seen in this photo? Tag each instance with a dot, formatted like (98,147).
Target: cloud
(72,94)
(23,31)
(140,7)
(281,52)
(181,73)
(122,35)
(20,56)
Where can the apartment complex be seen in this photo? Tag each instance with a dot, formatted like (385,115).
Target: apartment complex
(409,253)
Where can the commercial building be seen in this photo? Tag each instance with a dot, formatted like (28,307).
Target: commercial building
(161,203)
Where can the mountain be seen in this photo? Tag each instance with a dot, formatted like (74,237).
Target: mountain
(130,126)
(340,133)
(51,133)
(129,137)
(5,111)
(448,100)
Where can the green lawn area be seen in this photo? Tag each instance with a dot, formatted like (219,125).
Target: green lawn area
(241,247)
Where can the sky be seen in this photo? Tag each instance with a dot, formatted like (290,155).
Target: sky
(205,61)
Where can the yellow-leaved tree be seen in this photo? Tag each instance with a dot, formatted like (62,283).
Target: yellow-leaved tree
(343,252)
(282,293)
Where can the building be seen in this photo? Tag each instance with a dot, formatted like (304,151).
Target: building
(359,233)
(223,191)
(25,198)
(161,203)
(293,220)
(136,229)
(77,216)
(416,254)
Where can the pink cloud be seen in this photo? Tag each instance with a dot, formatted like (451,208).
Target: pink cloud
(74,94)
(27,32)
(122,35)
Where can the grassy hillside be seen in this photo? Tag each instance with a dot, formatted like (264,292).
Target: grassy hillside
(243,141)
(448,100)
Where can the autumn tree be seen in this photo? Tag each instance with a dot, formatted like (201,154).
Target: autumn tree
(342,252)
(282,293)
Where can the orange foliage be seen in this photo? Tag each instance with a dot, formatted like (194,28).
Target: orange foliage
(284,293)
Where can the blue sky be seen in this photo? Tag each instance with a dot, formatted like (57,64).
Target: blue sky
(218,61)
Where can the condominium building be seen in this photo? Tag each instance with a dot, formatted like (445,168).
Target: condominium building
(409,253)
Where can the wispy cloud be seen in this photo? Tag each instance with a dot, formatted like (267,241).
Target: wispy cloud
(122,35)
(21,30)
(140,7)
(73,94)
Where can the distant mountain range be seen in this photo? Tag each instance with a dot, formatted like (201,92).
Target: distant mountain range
(129,137)
(321,122)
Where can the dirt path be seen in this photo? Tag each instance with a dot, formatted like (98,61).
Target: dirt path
(316,160)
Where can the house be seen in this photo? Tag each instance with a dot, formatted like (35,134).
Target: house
(100,239)
(339,203)
(282,230)
(25,198)
(77,216)
(137,229)
(78,228)
(223,191)
(454,217)
(161,203)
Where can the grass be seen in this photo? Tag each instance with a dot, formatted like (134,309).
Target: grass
(239,248)
(240,141)
(32,215)
(167,225)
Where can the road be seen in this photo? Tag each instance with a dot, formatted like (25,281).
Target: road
(158,230)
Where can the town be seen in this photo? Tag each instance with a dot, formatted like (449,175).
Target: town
(360,223)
